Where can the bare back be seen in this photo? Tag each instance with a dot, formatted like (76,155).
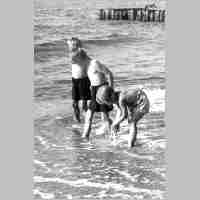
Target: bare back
(96,73)
(132,105)
(130,100)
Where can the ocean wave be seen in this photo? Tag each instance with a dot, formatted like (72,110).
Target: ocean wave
(51,45)
(43,195)
(98,41)
(114,186)
(110,36)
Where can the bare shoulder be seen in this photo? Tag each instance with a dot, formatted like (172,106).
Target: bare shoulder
(94,63)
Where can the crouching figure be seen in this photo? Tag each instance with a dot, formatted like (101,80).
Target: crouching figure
(131,105)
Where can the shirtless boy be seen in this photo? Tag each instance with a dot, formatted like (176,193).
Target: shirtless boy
(80,80)
(131,105)
(94,75)
(99,76)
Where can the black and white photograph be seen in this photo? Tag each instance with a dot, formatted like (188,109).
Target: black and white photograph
(99,100)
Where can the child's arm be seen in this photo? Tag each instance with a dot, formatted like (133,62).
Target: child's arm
(121,114)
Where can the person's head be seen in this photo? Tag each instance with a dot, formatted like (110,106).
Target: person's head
(106,95)
(74,44)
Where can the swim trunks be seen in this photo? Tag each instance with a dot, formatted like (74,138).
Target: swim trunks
(96,107)
(81,89)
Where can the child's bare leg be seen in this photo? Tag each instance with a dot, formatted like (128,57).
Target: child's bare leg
(107,121)
(88,123)
(84,105)
(106,118)
(132,134)
(76,110)
(118,114)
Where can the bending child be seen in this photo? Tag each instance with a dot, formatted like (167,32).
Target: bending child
(131,105)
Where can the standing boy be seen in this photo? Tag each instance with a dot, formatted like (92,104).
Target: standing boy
(88,70)
(99,76)
(80,80)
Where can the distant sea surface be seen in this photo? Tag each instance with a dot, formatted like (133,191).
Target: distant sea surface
(65,166)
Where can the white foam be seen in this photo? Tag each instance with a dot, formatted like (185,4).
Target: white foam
(127,175)
(69,196)
(41,164)
(37,162)
(157,144)
(42,141)
(139,197)
(147,157)
(43,195)
(102,194)
(107,186)
(102,130)
(157,99)
(76,126)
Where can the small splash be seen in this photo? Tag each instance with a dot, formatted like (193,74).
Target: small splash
(102,130)
(76,126)
(69,196)
(157,144)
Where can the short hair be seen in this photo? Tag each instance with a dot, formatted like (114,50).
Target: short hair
(78,42)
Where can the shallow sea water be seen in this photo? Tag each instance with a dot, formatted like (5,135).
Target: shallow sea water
(67,166)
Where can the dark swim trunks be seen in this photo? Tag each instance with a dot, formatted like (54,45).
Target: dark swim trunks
(81,89)
(96,107)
